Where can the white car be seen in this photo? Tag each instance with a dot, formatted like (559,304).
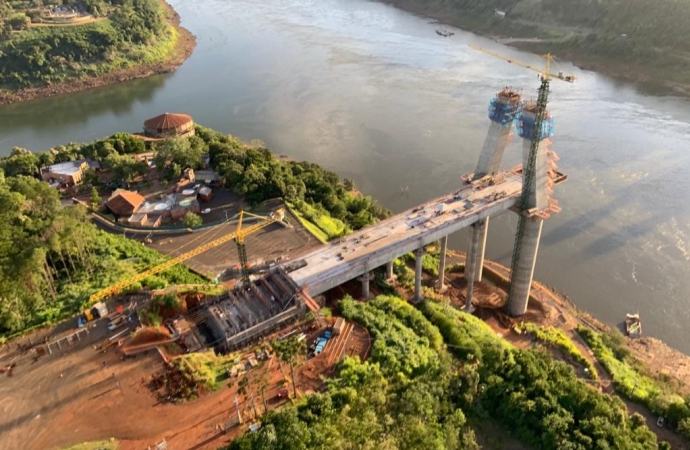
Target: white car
(206,211)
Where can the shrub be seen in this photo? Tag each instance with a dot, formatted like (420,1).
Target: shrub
(557,338)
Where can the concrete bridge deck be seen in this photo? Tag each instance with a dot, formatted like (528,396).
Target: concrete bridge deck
(377,245)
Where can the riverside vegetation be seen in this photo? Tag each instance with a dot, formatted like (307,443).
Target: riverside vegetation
(638,40)
(632,380)
(52,258)
(123,34)
(434,374)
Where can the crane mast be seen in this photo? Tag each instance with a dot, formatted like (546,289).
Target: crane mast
(528,174)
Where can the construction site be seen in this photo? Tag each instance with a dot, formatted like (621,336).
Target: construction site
(255,309)
(179,346)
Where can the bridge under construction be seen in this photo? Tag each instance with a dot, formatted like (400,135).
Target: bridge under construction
(526,190)
(256,307)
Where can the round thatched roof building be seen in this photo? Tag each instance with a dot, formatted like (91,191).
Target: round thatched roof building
(169,125)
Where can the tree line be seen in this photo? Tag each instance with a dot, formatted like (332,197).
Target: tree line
(257,175)
(251,172)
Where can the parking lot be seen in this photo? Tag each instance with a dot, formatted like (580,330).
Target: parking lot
(269,244)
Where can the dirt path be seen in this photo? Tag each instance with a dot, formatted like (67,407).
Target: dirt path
(73,23)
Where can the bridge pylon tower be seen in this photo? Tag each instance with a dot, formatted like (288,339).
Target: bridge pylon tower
(504,109)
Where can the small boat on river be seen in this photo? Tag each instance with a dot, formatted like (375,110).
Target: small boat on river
(633,325)
(444,32)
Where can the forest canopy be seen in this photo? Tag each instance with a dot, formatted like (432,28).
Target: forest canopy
(119,34)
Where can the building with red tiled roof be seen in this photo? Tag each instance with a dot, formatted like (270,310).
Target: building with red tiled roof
(124,203)
(169,125)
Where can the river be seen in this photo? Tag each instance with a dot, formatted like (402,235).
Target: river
(374,94)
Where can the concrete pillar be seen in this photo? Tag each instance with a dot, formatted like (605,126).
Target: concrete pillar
(492,151)
(365,279)
(441,284)
(419,254)
(521,279)
(471,262)
(539,194)
(476,247)
(389,270)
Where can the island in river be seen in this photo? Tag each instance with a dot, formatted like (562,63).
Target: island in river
(79,45)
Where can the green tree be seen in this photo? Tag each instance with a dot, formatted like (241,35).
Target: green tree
(125,167)
(20,162)
(95,199)
(177,154)
(684,427)
(192,220)
(349,184)
(288,351)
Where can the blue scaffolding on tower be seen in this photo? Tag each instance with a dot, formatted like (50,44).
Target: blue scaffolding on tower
(504,113)
(525,126)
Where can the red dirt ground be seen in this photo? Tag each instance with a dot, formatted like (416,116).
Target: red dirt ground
(71,397)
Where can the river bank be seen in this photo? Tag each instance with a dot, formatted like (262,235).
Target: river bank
(550,308)
(570,43)
(659,357)
(185,42)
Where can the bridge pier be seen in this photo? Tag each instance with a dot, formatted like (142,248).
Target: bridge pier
(474,252)
(441,283)
(476,247)
(389,270)
(365,279)
(521,279)
(419,255)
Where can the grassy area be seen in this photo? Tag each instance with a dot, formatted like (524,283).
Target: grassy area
(557,338)
(207,367)
(430,263)
(312,228)
(467,337)
(627,380)
(96,445)
(404,274)
(329,227)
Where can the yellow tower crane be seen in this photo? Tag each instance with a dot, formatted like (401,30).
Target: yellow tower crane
(239,235)
(544,71)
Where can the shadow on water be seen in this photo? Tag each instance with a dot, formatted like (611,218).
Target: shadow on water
(79,108)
